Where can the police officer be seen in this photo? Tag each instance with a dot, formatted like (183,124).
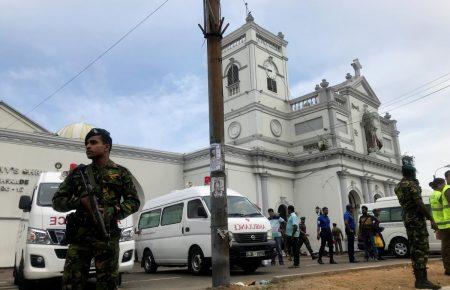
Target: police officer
(325,235)
(445,232)
(304,238)
(437,209)
(117,198)
(414,214)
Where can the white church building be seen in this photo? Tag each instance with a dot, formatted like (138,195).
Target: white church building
(328,148)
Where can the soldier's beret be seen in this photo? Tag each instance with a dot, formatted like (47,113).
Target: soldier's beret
(99,132)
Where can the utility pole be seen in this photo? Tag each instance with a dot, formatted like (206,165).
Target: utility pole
(212,31)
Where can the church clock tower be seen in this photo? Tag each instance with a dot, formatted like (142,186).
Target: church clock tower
(256,89)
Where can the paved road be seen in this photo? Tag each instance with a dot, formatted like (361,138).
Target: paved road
(179,278)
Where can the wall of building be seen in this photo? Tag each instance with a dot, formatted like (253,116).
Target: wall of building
(21,163)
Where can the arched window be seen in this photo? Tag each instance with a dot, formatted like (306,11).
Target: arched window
(233,79)
(233,75)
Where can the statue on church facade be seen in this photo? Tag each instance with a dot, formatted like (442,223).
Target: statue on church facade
(373,143)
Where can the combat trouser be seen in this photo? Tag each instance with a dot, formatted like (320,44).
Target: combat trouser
(418,246)
(304,240)
(78,260)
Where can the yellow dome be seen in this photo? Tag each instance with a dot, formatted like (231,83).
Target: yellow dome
(75,131)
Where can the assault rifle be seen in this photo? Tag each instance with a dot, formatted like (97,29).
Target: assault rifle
(92,207)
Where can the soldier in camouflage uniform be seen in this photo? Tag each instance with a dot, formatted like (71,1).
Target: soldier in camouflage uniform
(117,199)
(414,217)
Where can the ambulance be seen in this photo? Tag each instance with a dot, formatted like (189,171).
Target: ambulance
(175,230)
(394,233)
(39,253)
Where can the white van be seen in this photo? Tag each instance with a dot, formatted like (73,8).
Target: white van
(394,233)
(39,254)
(174,230)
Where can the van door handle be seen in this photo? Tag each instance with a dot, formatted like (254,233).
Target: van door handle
(187,229)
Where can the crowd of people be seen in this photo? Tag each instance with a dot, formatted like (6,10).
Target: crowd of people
(290,232)
(290,235)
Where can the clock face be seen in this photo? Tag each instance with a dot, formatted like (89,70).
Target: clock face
(271,70)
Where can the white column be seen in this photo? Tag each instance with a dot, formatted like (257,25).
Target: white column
(370,189)
(343,188)
(264,192)
(365,189)
(391,189)
(387,190)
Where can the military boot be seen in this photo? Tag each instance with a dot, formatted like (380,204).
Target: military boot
(422,280)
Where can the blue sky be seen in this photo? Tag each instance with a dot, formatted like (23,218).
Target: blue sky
(150,91)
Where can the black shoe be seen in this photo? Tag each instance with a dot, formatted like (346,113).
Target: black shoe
(381,259)
(425,284)
(422,280)
(313,257)
(320,261)
(332,262)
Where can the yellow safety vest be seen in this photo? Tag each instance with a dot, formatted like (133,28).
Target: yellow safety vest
(437,209)
(446,210)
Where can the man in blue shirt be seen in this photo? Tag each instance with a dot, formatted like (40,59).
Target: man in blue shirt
(275,222)
(350,228)
(325,235)
(293,233)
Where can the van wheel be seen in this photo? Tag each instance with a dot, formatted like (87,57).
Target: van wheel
(250,268)
(149,263)
(197,264)
(24,284)
(400,247)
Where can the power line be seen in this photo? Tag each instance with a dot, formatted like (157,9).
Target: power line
(417,99)
(408,96)
(414,90)
(93,61)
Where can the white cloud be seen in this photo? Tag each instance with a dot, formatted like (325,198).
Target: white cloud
(151,89)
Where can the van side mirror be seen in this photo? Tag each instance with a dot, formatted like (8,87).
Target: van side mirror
(25,203)
(201,212)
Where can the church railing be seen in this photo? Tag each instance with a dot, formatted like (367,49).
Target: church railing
(304,103)
(341,103)
(233,89)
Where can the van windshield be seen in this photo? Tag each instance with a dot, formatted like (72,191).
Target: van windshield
(238,206)
(46,193)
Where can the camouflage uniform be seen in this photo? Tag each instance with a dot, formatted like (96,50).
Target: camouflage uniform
(304,240)
(408,191)
(114,183)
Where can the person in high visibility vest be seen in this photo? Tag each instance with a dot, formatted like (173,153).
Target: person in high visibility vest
(445,233)
(437,209)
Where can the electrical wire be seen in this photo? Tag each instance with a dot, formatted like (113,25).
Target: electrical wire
(90,64)
(389,102)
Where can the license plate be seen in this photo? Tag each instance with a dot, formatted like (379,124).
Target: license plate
(255,254)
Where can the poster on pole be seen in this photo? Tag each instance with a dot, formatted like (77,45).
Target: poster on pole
(217,186)
(216,154)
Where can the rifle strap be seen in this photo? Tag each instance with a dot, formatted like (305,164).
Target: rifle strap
(90,176)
